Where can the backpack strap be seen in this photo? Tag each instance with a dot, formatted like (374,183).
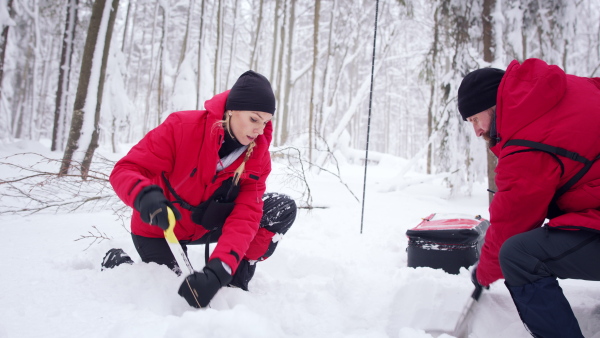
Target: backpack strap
(548,149)
(179,200)
(554,151)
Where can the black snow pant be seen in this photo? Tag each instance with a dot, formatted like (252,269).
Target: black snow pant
(279,213)
(531,263)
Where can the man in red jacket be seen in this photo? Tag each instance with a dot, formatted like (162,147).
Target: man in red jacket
(544,127)
(210,168)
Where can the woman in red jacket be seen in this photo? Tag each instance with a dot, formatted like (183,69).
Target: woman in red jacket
(210,168)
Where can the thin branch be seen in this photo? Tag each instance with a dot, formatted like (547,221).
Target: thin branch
(41,189)
(96,237)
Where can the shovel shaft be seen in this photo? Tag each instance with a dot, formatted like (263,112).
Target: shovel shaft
(175,246)
(460,329)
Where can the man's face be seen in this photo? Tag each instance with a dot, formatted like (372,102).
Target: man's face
(481,123)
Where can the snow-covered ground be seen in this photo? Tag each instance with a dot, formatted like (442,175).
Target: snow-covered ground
(326,279)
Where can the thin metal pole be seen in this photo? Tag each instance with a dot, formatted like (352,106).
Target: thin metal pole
(362,215)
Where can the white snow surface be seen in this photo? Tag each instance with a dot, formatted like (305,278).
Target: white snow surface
(326,279)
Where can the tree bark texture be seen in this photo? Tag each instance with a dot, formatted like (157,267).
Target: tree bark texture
(64,73)
(82,94)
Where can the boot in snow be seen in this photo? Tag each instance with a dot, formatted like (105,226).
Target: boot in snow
(115,257)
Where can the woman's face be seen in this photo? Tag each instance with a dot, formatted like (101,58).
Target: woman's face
(247,125)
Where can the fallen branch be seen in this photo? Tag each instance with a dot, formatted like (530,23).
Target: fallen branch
(37,187)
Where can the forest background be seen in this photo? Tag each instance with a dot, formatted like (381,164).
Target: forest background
(78,76)
(83,73)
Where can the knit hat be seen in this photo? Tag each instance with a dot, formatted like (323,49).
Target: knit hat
(478,91)
(253,92)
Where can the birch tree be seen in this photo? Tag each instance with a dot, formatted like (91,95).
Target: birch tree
(287,81)
(311,116)
(86,110)
(218,48)
(200,57)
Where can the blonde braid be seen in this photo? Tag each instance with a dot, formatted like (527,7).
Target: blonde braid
(240,170)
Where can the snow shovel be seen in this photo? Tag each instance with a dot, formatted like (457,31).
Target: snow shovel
(460,330)
(174,245)
(177,250)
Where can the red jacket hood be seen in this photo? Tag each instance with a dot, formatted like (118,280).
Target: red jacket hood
(533,87)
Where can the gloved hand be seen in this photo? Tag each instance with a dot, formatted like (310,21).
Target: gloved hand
(475,281)
(199,288)
(152,205)
(478,287)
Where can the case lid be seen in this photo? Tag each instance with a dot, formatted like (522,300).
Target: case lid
(449,221)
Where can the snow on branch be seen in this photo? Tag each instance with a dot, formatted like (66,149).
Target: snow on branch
(37,187)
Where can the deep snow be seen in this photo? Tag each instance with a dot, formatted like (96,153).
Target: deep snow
(324,280)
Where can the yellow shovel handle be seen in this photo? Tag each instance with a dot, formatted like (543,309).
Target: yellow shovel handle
(174,244)
(170,233)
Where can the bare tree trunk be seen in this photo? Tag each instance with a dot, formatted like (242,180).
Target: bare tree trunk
(488,30)
(232,47)
(288,76)
(42,109)
(217,48)
(184,44)
(62,88)
(24,86)
(139,58)
(488,56)
(34,93)
(127,15)
(274,49)
(86,98)
(89,154)
(279,74)
(325,84)
(200,52)
(130,16)
(147,121)
(311,116)
(3,43)
(253,57)
(432,88)
(161,67)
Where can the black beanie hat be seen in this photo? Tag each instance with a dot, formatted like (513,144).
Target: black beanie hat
(478,91)
(253,92)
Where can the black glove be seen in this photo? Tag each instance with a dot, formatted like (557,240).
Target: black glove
(199,288)
(152,205)
(243,275)
(478,287)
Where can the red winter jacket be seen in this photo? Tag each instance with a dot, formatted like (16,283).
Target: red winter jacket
(185,147)
(540,103)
